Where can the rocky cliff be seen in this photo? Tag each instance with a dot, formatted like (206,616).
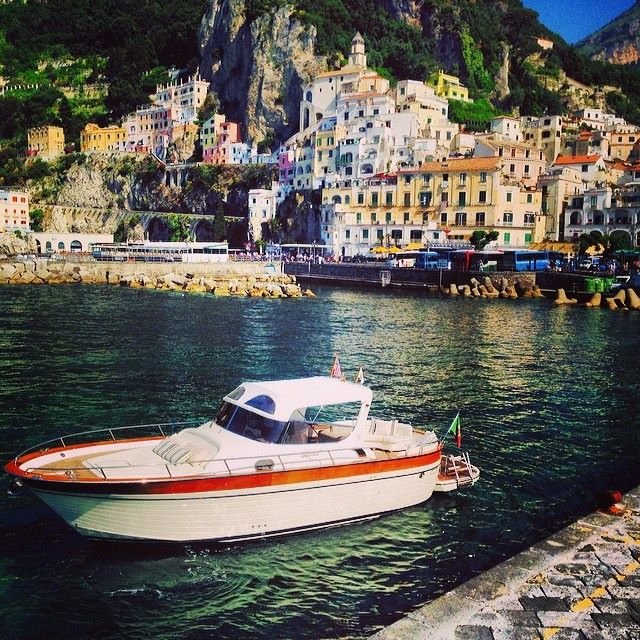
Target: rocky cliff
(618,42)
(257,67)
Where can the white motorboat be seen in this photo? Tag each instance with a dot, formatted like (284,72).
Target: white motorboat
(280,457)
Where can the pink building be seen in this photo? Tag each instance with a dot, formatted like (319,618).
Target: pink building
(218,137)
(14,210)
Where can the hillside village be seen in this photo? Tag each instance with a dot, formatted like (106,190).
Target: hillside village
(391,168)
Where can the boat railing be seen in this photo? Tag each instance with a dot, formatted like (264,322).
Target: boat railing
(316,455)
(109,434)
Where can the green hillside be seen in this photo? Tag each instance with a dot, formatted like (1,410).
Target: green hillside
(96,60)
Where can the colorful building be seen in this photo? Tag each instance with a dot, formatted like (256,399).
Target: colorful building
(14,209)
(45,142)
(102,139)
(447,86)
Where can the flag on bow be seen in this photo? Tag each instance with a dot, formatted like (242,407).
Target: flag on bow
(336,369)
(456,430)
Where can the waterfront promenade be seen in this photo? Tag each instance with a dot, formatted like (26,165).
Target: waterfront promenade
(582,583)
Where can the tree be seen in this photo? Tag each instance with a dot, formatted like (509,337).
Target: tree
(480,238)
(36,217)
(219,223)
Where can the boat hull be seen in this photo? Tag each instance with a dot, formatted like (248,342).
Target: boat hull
(267,505)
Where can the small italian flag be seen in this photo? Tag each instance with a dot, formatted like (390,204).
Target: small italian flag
(455,428)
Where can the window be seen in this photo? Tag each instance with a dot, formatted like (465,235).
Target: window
(443,217)
(585,168)
(512,168)
(480,218)
(509,196)
(462,179)
(529,219)
(462,198)
(365,234)
(358,217)
(425,198)
(388,199)
(387,216)
(407,199)
(380,235)
(529,198)
(483,176)
(374,217)
(482,197)
(507,218)
(406,217)
(374,199)
(347,234)
(396,234)
(461,219)
(507,238)
(527,238)
(361,198)
(526,169)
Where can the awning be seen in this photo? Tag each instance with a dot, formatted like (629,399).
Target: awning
(380,249)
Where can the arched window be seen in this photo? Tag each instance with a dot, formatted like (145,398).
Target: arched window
(308,96)
(76,245)
(367,168)
(60,246)
(347,199)
(575,217)
(336,200)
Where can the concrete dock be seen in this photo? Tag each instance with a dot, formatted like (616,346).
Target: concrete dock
(582,583)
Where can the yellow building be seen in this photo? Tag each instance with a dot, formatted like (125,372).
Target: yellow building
(102,139)
(449,87)
(434,203)
(45,142)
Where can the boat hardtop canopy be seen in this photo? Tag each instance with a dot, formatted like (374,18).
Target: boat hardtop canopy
(278,399)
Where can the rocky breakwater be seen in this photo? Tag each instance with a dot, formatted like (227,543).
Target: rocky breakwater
(503,287)
(219,282)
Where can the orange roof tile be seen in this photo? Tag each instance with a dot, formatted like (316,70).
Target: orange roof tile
(586,159)
(457,164)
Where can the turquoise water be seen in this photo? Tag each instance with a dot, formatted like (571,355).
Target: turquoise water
(548,397)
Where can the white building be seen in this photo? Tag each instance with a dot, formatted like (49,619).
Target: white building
(262,209)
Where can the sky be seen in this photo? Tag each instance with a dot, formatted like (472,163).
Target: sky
(576,19)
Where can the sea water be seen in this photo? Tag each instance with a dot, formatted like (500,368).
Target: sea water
(548,397)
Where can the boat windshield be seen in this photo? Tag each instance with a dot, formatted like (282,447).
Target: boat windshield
(248,424)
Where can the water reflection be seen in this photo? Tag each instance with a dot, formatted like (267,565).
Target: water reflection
(548,398)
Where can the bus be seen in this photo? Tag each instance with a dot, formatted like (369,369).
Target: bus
(527,260)
(417,259)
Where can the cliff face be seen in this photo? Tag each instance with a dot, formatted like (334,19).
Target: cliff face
(257,67)
(618,42)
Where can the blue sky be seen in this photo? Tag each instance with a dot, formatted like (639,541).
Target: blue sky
(575,19)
